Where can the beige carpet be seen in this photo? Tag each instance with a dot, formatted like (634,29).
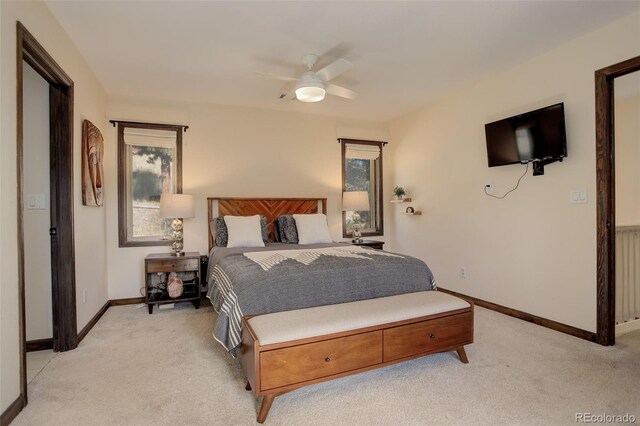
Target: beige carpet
(165,369)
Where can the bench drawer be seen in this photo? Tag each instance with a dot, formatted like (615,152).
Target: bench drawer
(428,336)
(282,367)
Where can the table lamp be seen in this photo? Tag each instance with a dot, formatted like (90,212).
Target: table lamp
(355,201)
(176,207)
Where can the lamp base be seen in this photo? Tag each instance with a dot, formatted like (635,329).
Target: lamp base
(357,236)
(178,236)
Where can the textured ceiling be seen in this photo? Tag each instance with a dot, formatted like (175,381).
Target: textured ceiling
(405,54)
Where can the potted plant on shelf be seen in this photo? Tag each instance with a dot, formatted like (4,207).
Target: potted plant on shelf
(399,192)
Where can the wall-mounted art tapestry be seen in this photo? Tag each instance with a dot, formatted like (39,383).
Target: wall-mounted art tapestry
(92,167)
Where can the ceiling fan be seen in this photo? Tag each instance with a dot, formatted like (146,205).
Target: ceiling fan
(313,85)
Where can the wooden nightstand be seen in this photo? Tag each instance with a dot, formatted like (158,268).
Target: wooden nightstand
(157,267)
(369,243)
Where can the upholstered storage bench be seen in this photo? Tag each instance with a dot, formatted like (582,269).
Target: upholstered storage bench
(286,350)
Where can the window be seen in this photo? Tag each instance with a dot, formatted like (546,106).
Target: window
(149,164)
(362,171)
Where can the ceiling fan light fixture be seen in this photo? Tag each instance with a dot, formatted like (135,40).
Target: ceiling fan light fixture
(312,86)
(310,93)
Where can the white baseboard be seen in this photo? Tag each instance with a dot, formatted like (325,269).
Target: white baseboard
(627,327)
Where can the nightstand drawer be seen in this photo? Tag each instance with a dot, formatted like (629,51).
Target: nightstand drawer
(173,265)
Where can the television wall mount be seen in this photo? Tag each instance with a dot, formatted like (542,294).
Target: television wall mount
(538,165)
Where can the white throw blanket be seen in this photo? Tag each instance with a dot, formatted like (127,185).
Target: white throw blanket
(269,259)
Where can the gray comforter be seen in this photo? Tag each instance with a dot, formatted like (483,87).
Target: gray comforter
(239,286)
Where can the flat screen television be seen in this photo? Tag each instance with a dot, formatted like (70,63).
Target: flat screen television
(537,136)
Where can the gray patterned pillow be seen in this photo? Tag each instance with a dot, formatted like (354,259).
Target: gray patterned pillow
(221,235)
(287,229)
(276,232)
(265,229)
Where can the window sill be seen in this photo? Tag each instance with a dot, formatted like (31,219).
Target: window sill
(364,234)
(150,243)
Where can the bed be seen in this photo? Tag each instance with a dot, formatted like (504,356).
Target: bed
(283,276)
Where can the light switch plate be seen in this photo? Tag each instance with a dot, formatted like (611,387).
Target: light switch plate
(36,201)
(578,196)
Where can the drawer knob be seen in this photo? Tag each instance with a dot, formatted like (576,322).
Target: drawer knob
(327,359)
(433,336)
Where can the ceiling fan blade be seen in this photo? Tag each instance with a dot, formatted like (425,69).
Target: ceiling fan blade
(333,70)
(343,92)
(286,96)
(275,76)
(288,92)
(340,50)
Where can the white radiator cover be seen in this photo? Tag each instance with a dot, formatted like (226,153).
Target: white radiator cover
(627,273)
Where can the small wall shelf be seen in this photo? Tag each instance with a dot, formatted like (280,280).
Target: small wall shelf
(411,213)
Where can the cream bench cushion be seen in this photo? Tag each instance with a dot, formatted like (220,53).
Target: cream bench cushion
(287,326)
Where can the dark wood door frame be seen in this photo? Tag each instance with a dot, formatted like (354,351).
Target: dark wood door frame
(605,205)
(63,285)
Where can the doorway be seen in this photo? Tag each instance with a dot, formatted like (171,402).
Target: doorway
(36,220)
(627,214)
(61,231)
(606,205)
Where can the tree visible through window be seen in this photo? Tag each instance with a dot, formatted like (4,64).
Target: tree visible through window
(362,171)
(358,177)
(149,159)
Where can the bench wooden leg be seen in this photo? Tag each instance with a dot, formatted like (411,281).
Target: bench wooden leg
(264,409)
(462,355)
(247,386)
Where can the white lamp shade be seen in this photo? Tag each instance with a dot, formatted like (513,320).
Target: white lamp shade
(176,206)
(355,201)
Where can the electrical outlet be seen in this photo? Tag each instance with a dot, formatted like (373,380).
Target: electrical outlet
(463,272)
(489,188)
(84,295)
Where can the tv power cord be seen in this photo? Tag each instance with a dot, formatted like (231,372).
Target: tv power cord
(500,197)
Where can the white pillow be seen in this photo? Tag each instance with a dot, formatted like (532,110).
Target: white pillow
(244,231)
(312,228)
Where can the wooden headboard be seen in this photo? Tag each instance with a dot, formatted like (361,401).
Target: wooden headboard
(271,208)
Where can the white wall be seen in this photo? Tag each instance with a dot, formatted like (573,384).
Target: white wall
(233,151)
(89,222)
(627,152)
(37,248)
(533,251)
